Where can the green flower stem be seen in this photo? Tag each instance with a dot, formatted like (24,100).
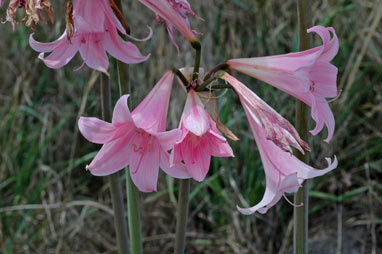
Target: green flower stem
(133,204)
(300,233)
(181,76)
(115,185)
(182,215)
(217,68)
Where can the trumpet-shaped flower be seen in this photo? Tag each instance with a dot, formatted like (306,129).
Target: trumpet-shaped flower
(199,141)
(283,171)
(174,14)
(307,75)
(138,139)
(95,32)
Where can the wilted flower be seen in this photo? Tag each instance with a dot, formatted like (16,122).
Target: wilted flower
(138,139)
(273,134)
(95,31)
(33,9)
(174,14)
(200,139)
(307,75)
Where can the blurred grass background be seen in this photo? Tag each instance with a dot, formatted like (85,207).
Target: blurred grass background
(50,204)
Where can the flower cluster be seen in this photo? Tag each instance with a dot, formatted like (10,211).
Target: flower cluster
(139,139)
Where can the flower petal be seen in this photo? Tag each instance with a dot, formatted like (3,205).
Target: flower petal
(168,139)
(178,171)
(93,52)
(144,168)
(62,53)
(47,46)
(96,130)
(322,114)
(112,156)
(195,118)
(151,113)
(122,50)
(121,113)
(197,158)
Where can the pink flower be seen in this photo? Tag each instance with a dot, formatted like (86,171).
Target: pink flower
(200,139)
(138,139)
(307,75)
(95,32)
(283,171)
(174,13)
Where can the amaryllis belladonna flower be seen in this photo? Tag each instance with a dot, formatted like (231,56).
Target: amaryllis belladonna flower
(33,9)
(138,139)
(200,139)
(95,32)
(174,14)
(283,171)
(307,75)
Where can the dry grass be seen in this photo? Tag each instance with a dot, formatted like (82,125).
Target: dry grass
(43,157)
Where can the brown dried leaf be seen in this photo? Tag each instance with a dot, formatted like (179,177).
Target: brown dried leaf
(210,103)
(69,20)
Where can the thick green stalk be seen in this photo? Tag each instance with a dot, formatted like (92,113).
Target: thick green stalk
(133,204)
(300,233)
(115,185)
(182,214)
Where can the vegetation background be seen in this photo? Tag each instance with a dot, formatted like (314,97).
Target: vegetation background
(49,203)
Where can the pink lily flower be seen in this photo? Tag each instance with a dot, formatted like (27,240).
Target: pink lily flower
(199,141)
(174,14)
(95,32)
(307,75)
(283,171)
(138,139)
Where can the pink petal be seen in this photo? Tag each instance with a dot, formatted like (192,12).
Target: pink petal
(195,118)
(46,47)
(178,171)
(96,130)
(322,114)
(324,76)
(121,113)
(168,139)
(112,156)
(110,16)
(122,50)
(151,113)
(93,52)
(168,13)
(176,155)
(62,53)
(218,144)
(330,45)
(197,158)
(144,167)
